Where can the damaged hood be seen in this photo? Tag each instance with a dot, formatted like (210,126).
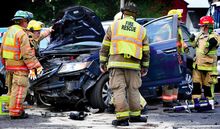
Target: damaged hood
(76,24)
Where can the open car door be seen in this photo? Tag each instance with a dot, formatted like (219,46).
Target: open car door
(165,68)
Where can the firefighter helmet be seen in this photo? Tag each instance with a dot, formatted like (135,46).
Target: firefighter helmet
(206,20)
(19,15)
(175,12)
(130,8)
(34,25)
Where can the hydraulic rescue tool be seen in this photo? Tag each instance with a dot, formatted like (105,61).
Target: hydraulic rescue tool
(198,105)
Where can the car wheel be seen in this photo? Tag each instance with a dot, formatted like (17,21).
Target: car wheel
(186,87)
(42,100)
(101,94)
(3,88)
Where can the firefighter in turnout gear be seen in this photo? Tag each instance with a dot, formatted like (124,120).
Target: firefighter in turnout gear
(125,53)
(18,59)
(170,92)
(205,62)
(35,35)
(143,102)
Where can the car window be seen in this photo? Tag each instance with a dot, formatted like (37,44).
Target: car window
(160,30)
(44,43)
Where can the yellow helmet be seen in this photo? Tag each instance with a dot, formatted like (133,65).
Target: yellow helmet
(175,11)
(34,25)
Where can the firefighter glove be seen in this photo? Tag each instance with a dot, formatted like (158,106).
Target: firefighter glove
(192,37)
(32,74)
(212,43)
(39,71)
(144,72)
(103,68)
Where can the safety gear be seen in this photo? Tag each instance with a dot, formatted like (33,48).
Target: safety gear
(144,72)
(34,25)
(138,119)
(205,59)
(169,95)
(192,37)
(120,122)
(22,15)
(130,33)
(175,12)
(212,43)
(130,9)
(206,20)
(17,82)
(32,74)
(11,50)
(39,71)
(118,16)
(103,68)
(22,116)
(120,60)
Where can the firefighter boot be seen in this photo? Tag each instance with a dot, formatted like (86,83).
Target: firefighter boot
(138,119)
(22,116)
(121,122)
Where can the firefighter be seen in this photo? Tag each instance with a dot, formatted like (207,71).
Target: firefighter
(170,92)
(35,35)
(143,102)
(125,53)
(19,63)
(205,61)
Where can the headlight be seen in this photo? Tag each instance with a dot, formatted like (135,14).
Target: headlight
(72,67)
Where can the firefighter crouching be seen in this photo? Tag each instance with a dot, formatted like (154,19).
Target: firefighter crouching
(18,59)
(125,53)
(205,62)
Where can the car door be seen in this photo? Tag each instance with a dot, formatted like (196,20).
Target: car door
(164,64)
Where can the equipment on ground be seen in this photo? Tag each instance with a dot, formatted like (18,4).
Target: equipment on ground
(198,105)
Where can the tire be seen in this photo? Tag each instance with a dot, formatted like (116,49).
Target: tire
(41,100)
(101,94)
(185,88)
(3,88)
(217,86)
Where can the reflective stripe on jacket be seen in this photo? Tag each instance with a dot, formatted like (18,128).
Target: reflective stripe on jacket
(205,59)
(11,43)
(123,60)
(27,60)
(127,37)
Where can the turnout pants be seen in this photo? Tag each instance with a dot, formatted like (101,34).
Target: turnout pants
(17,82)
(202,80)
(170,93)
(125,84)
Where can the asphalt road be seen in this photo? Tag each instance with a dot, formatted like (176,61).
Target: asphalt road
(43,118)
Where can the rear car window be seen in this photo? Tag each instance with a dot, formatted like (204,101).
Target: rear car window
(160,30)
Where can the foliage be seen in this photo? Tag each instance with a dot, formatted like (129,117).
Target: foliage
(46,10)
